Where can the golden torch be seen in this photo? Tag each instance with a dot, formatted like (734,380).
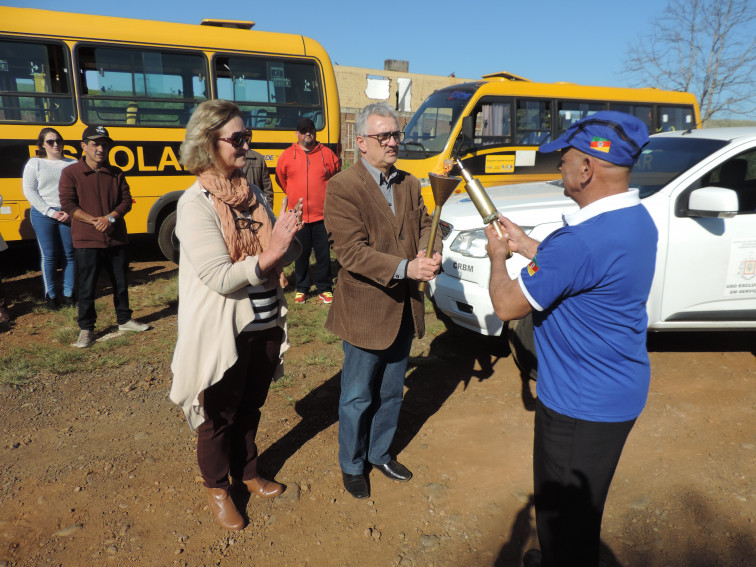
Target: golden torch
(442,188)
(480,198)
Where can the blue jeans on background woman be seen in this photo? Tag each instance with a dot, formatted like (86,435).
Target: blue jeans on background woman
(55,249)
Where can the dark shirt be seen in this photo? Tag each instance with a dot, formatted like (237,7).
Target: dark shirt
(96,192)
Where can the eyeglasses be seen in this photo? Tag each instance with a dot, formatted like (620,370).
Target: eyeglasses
(244,222)
(52,142)
(384,137)
(238,139)
(304,131)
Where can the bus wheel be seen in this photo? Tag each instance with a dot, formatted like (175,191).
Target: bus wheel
(522,345)
(167,240)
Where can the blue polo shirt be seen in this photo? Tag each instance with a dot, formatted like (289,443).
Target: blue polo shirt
(588,285)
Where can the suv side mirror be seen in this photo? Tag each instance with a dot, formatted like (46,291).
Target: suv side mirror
(716,202)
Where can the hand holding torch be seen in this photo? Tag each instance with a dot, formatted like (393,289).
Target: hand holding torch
(480,198)
(442,188)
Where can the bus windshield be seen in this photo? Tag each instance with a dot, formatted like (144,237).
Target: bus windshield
(428,131)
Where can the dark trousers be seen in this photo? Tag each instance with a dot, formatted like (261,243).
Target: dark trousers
(313,236)
(573,464)
(226,439)
(372,387)
(89,262)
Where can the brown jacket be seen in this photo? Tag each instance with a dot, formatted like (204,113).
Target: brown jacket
(97,192)
(369,241)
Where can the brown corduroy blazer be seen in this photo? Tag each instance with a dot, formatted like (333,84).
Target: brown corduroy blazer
(369,241)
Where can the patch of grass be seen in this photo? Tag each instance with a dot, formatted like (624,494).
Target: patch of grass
(155,294)
(22,363)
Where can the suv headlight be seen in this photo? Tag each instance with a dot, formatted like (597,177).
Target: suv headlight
(472,243)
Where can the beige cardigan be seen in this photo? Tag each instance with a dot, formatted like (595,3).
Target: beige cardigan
(213,303)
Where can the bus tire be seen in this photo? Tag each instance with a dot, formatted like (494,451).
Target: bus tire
(522,345)
(167,239)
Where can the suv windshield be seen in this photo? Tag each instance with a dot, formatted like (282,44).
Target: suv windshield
(664,158)
(428,130)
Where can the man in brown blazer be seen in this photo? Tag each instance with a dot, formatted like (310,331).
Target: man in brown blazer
(379,228)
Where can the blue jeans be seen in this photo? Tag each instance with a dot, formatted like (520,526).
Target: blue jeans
(55,249)
(372,384)
(89,261)
(313,236)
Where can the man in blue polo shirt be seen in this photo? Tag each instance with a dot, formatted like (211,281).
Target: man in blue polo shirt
(587,285)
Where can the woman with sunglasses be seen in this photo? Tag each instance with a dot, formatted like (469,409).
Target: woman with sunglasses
(232,310)
(51,225)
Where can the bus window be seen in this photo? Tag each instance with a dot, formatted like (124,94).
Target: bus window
(272,93)
(493,123)
(428,130)
(140,87)
(674,118)
(640,111)
(533,122)
(34,83)
(570,112)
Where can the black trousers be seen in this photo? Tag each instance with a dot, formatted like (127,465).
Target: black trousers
(89,262)
(313,236)
(226,439)
(573,464)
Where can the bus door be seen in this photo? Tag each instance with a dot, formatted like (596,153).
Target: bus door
(500,139)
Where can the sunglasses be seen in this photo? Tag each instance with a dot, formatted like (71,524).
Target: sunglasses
(238,139)
(52,142)
(304,131)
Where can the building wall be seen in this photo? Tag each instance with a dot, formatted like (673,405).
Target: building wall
(404,91)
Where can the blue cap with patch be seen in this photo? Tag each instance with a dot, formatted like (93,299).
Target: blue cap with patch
(609,135)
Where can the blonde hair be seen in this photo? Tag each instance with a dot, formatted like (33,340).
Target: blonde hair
(198,150)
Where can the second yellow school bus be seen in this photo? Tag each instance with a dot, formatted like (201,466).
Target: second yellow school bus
(496,125)
(142,80)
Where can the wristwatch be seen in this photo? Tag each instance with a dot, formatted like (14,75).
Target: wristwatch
(111,219)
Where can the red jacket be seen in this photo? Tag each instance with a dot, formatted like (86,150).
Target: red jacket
(305,175)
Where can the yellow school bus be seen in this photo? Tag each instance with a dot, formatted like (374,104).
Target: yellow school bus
(496,125)
(142,80)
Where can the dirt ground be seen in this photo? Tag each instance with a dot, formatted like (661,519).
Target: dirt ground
(97,466)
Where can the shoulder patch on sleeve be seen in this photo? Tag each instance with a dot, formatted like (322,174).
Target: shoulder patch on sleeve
(533,266)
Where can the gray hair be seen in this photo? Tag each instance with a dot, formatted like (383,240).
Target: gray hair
(375,109)
(198,148)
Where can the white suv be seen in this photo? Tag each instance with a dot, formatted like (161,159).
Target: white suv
(699,187)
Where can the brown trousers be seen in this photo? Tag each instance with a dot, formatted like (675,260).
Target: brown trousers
(226,439)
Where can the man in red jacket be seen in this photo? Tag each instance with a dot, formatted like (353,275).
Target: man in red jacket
(303,170)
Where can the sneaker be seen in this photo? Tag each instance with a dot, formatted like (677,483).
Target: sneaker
(86,338)
(68,301)
(132,325)
(326,297)
(51,303)
(299,297)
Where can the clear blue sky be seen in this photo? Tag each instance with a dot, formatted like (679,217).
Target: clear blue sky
(583,41)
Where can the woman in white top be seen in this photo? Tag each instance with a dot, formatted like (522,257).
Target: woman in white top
(232,310)
(51,225)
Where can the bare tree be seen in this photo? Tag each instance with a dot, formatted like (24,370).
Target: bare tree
(707,47)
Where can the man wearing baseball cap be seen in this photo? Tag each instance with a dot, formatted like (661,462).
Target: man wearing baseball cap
(302,171)
(96,196)
(587,285)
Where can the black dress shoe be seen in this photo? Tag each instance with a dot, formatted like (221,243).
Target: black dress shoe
(395,471)
(532,558)
(356,485)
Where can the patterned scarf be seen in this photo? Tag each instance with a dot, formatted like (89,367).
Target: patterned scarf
(231,198)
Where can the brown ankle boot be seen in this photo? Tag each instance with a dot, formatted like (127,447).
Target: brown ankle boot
(257,484)
(223,508)
(263,488)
